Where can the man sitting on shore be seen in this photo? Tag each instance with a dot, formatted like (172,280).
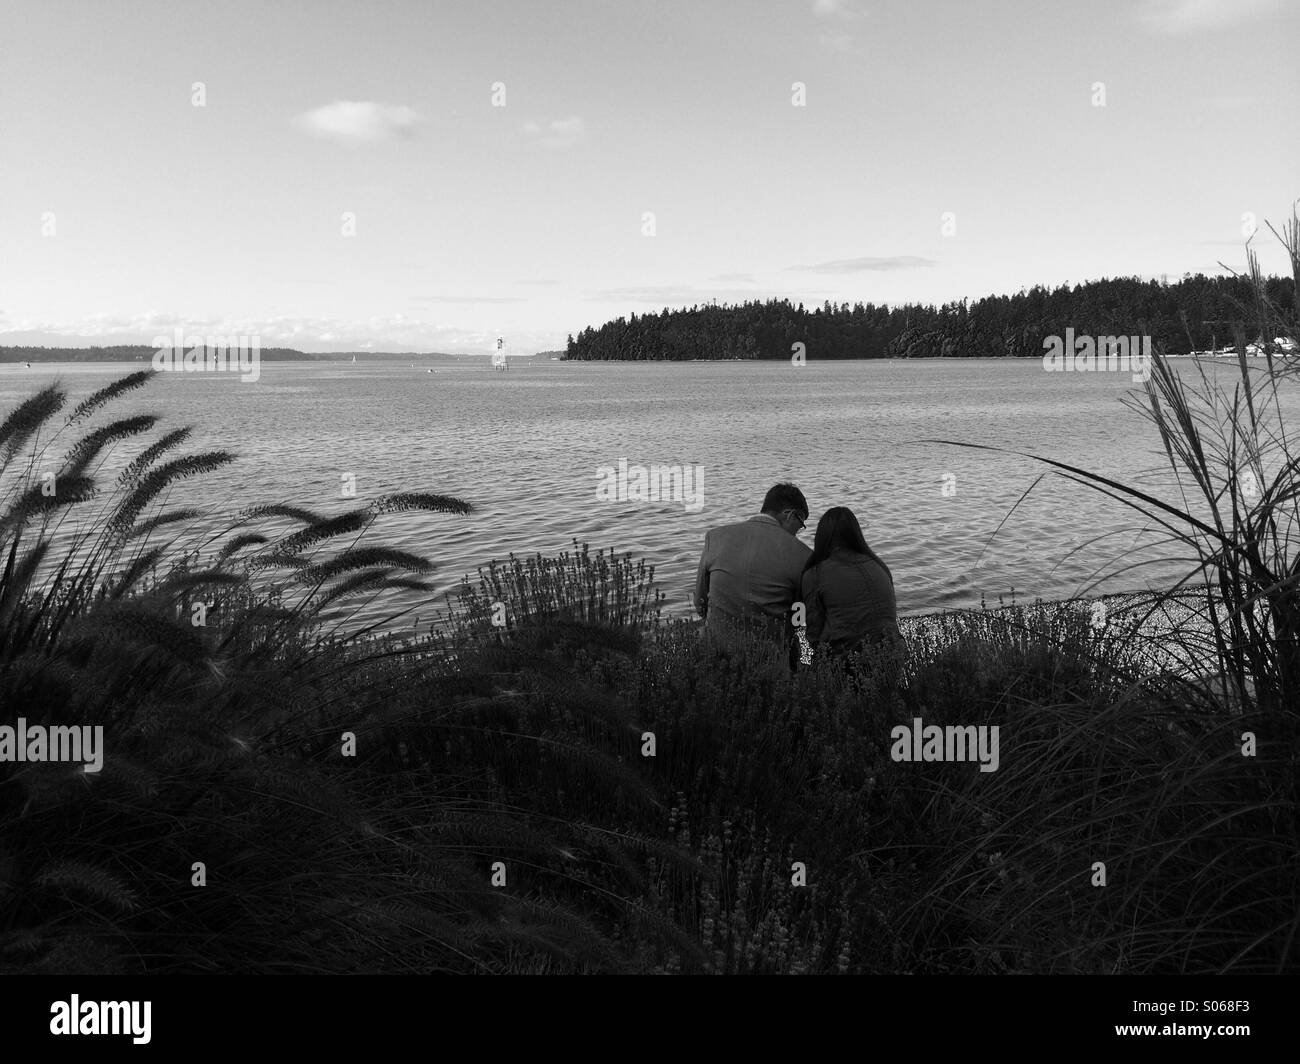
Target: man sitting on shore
(750,573)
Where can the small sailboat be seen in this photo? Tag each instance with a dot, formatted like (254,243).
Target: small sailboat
(354,360)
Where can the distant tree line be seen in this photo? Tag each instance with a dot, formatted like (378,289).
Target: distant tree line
(144,353)
(1193,314)
(125,353)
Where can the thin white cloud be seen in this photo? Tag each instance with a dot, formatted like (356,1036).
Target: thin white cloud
(101,324)
(664,295)
(844,13)
(668,295)
(841,9)
(1189,16)
(359,122)
(868,262)
(470,299)
(559,133)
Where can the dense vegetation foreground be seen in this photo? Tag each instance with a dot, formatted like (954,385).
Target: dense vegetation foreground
(557,781)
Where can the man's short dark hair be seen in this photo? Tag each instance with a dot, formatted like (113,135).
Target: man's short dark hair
(785,497)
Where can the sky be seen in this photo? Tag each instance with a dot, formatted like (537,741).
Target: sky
(427,176)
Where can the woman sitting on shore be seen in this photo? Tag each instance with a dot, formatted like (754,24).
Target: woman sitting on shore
(848,594)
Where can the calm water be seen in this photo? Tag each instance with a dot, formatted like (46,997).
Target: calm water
(524,447)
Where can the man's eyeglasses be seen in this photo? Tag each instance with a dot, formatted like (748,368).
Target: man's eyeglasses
(803,521)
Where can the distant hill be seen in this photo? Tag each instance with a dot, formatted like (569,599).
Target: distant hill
(144,353)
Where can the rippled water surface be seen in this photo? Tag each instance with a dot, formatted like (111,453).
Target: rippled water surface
(524,447)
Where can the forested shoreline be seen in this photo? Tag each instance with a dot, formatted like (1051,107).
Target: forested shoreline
(1197,313)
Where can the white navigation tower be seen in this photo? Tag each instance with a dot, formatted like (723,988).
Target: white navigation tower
(499,355)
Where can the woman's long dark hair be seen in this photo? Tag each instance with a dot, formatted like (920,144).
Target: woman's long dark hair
(839,530)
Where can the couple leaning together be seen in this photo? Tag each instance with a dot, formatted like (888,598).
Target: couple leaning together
(753,574)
